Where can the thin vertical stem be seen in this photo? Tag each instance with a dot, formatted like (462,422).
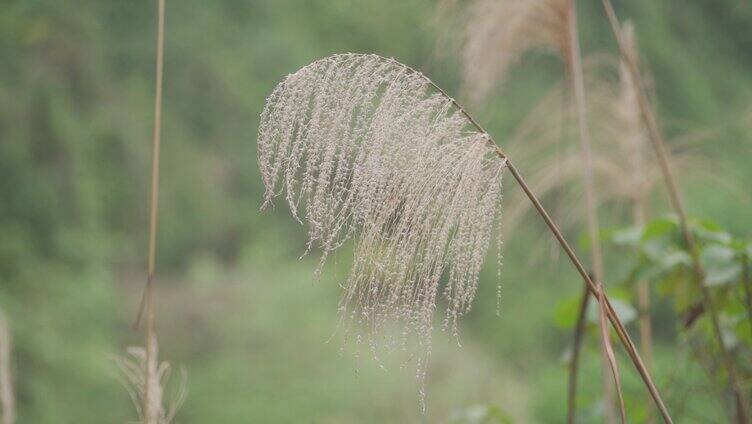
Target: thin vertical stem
(591,201)
(150,412)
(659,146)
(747,287)
(579,330)
(615,322)
(643,298)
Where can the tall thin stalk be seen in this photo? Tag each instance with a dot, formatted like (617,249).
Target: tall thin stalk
(747,287)
(608,351)
(643,294)
(578,88)
(658,144)
(151,411)
(579,331)
(635,143)
(591,212)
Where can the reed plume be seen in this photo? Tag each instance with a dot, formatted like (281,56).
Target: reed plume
(499,33)
(373,151)
(377,152)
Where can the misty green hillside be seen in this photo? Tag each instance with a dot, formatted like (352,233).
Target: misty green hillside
(255,332)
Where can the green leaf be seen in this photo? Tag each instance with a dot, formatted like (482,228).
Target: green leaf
(662,263)
(624,310)
(721,266)
(676,258)
(710,231)
(680,287)
(627,237)
(565,315)
(658,228)
(656,249)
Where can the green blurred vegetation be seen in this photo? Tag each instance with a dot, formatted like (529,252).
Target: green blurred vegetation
(235,307)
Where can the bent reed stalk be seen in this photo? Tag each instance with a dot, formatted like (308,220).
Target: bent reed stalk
(342,122)
(608,351)
(656,138)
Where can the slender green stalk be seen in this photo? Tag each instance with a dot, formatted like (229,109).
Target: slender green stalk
(643,301)
(591,200)
(579,330)
(150,416)
(658,144)
(747,286)
(591,211)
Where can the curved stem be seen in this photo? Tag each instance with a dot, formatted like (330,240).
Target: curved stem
(613,318)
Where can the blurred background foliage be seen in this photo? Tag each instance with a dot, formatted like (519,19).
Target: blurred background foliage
(235,306)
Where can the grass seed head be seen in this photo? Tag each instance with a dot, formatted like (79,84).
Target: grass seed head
(365,148)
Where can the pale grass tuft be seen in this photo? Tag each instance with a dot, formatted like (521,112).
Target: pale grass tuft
(623,164)
(499,32)
(137,370)
(365,148)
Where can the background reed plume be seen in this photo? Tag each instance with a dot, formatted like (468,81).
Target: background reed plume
(364,147)
(504,30)
(499,33)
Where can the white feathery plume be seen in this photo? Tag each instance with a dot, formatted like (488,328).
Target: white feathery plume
(499,32)
(365,148)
